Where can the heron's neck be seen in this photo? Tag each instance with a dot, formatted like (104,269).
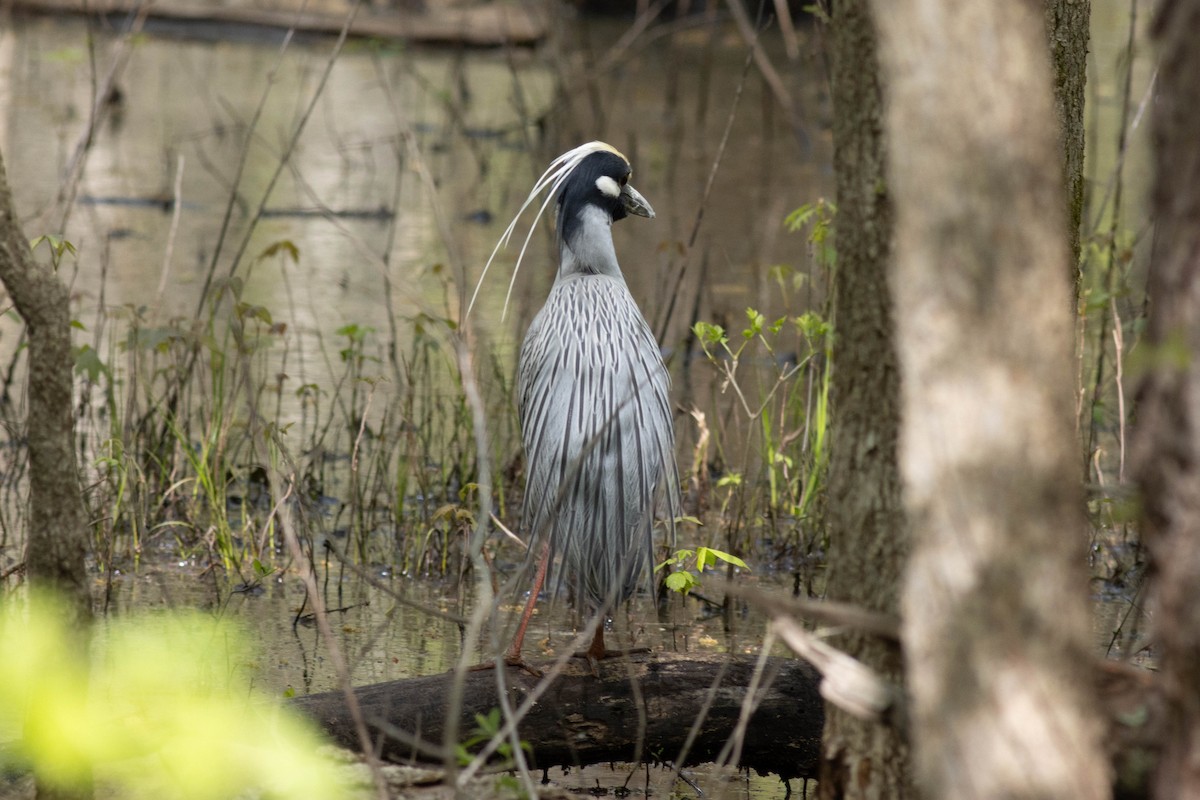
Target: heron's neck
(585,244)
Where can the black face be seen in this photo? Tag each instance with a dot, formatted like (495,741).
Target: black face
(597,180)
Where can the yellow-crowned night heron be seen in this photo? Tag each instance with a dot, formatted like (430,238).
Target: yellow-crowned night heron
(593,396)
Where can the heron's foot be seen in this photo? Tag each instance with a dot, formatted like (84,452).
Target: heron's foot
(595,655)
(515,660)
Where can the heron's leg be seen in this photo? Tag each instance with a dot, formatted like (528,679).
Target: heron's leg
(596,651)
(513,654)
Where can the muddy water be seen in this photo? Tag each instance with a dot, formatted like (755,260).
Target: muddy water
(403,167)
(352,197)
(384,640)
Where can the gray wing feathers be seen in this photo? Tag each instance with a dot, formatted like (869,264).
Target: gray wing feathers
(598,433)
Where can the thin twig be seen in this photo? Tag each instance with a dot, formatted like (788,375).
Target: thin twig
(289,148)
(223,232)
(750,35)
(483,589)
(176,211)
(698,723)
(787,29)
(712,177)
(370,579)
(69,187)
(830,612)
(731,753)
(1118,363)
(308,577)
(1102,335)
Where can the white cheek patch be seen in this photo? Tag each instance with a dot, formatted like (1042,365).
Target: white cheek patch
(608,186)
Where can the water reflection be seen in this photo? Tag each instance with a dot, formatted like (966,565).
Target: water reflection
(351,197)
(383,640)
(387,640)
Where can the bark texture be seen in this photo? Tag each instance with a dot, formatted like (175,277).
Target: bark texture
(57,542)
(1068,29)
(638,709)
(996,621)
(56,545)
(868,543)
(1166,445)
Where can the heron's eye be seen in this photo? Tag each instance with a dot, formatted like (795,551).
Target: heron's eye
(624,179)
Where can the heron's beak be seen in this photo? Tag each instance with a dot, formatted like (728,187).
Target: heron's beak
(634,203)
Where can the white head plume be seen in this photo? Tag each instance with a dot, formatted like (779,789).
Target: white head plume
(558,171)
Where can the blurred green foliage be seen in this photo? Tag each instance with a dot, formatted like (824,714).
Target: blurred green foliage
(161,707)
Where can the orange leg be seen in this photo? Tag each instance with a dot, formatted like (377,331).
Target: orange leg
(597,651)
(513,654)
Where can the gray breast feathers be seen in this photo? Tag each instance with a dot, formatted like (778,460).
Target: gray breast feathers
(598,433)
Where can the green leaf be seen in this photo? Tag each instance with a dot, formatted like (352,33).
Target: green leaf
(285,246)
(681,582)
(251,311)
(711,555)
(730,558)
(679,557)
(87,362)
(708,333)
(799,218)
(756,323)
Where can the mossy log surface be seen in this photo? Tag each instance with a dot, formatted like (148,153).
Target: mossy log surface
(642,707)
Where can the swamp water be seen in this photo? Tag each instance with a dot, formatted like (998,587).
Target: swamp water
(353,252)
(401,175)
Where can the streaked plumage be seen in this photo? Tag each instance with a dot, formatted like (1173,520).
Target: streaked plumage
(593,395)
(596,424)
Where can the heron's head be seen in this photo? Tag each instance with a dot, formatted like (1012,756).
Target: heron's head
(599,181)
(592,196)
(591,183)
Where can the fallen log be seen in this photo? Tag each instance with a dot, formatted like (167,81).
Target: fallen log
(491,25)
(639,708)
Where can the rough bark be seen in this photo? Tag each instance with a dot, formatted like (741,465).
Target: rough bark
(1068,29)
(57,541)
(868,543)
(1166,440)
(996,619)
(641,708)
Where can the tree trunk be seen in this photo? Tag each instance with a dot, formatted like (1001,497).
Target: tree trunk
(57,539)
(868,543)
(57,543)
(1068,28)
(639,709)
(1166,442)
(996,621)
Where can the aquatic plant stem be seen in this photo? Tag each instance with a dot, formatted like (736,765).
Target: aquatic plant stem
(176,211)
(308,577)
(1102,334)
